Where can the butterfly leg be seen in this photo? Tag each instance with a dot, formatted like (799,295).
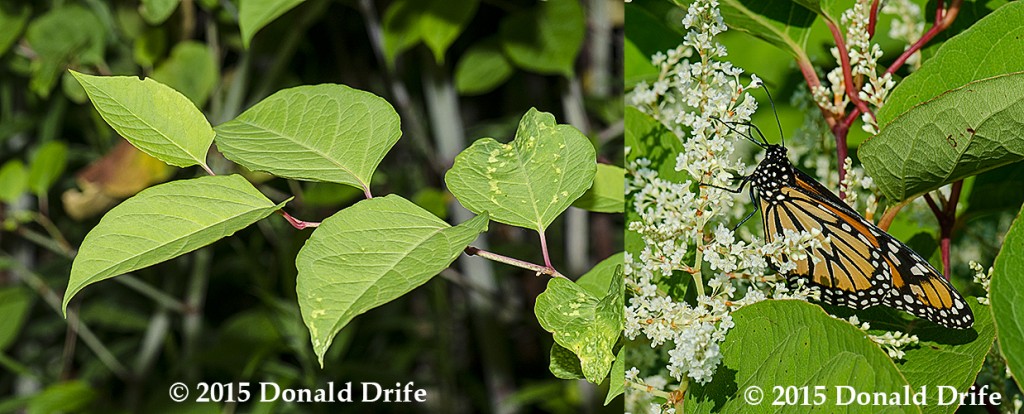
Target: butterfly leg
(753,199)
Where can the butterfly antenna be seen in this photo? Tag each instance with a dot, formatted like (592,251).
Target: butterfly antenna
(777,122)
(748,136)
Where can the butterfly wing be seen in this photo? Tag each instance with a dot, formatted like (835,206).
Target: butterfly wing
(859,265)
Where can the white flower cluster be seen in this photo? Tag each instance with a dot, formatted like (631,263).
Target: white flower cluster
(685,226)
(892,342)
(857,180)
(863,55)
(908,25)
(982,278)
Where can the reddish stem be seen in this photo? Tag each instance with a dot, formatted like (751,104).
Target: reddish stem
(946,216)
(872,18)
(844,61)
(544,250)
(298,224)
(943,19)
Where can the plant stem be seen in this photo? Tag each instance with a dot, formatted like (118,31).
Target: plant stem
(540,270)
(544,249)
(698,263)
(88,337)
(298,224)
(946,216)
(157,295)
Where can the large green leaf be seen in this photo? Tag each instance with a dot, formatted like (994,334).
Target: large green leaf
(794,343)
(607,195)
(164,222)
(47,165)
(15,302)
(961,133)
(13,180)
(992,46)
(253,15)
(62,35)
(327,132)
(370,254)
(546,38)
(153,117)
(1007,296)
(583,323)
(482,67)
(434,22)
(190,70)
(783,23)
(942,357)
(530,181)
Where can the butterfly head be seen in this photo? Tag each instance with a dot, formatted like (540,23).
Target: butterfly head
(774,171)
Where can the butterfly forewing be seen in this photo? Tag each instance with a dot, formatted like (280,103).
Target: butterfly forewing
(858,264)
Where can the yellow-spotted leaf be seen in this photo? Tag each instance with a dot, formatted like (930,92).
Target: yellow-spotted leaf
(153,117)
(370,254)
(164,222)
(586,324)
(527,182)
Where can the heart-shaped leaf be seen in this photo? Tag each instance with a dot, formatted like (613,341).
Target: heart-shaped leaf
(583,323)
(153,117)
(961,133)
(164,222)
(328,132)
(370,254)
(530,181)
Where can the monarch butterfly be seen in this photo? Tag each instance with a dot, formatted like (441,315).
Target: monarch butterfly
(859,265)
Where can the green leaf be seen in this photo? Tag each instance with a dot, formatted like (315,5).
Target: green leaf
(582,323)
(62,35)
(647,138)
(617,378)
(943,356)
(530,181)
(150,46)
(1007,295)
(793,343)
(608,194)
(997,190)
(783,23)
(253,15)
(155,12)
(327,132)
(433,200)
(546,38)
(647,33)
(564,364)
(15,303)
(13,181)
(993,46)
(47,165)
(599,278)
(482,68)
(436,23)
(164,222)
(153,117)
(63,397)
(370,254)
(12,21)
(961,133)
(190,70)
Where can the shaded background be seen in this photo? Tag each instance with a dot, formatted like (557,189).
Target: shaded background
(228,312)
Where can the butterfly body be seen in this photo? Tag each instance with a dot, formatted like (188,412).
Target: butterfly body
(859,265)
